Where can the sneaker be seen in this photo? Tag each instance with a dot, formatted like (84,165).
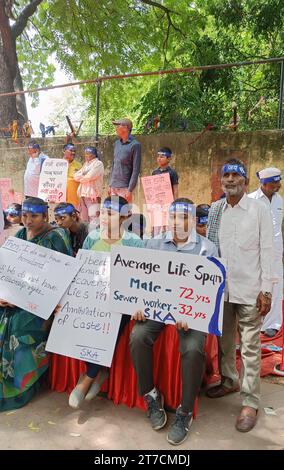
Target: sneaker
(179,429)
(96,385)
(156,412)
(76,397)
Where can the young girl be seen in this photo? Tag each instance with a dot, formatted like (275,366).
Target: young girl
(115,211)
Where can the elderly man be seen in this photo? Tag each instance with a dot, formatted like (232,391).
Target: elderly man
(126,162)
(33,170)
(270,183)
(69,153)
(245,234)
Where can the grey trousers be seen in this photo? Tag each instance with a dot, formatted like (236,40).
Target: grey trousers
(191,348)
(248,321)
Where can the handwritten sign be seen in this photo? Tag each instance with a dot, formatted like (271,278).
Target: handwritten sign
(86,328)
(158,195)
(53,180)
(5,187)
(33,277)
(169,287)
(1,216)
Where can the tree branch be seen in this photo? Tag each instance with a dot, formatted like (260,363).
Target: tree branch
(22,19)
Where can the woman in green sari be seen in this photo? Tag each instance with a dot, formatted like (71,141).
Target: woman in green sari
(23,359)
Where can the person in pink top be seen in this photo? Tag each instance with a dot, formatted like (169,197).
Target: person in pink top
(90,188)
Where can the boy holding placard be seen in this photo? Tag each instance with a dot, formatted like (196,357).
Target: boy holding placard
(183,238)
(164,156)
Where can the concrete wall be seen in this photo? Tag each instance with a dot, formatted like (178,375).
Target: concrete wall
(198,158)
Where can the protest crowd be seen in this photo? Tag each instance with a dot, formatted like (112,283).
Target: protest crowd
(239,237)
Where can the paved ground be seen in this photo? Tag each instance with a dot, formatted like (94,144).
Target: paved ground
(48,423)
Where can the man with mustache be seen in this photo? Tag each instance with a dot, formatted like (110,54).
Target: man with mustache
(245,235)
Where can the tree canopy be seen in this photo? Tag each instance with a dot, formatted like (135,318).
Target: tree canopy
(90,39)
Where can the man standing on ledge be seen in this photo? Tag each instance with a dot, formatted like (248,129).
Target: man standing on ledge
(126,162)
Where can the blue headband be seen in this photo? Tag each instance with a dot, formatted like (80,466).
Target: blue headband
(202,220)
(13,211)
(69,147)
(184,207)
(234,168)
(34,208)
(271,179)
(164,153)
(34,146)
(116,206)
(69,210)
(92,150)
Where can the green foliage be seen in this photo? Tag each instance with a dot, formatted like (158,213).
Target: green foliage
(91,39)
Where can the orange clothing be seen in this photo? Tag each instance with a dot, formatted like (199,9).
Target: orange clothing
(72,185)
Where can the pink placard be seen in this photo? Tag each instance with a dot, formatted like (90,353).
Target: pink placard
(159,196)
(5,187)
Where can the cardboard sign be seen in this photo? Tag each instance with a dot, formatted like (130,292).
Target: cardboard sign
(159,196)
(86,328)
(33,277)
(169,287)
(53,180)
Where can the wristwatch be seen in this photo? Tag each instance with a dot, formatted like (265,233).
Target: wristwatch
(267,294)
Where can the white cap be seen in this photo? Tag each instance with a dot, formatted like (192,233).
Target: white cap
(268,175)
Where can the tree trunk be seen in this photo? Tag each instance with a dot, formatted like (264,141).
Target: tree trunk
(8,108)
(20,99)
(8,68)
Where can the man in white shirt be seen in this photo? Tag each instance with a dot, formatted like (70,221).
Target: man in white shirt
(270,183)
(33,170)
(246,242)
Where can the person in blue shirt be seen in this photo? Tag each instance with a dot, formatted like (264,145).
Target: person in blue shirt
(181,237)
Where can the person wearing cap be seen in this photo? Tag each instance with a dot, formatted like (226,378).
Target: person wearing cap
(181,238)
(246,243)
(126,161)
(67,217)
(164,156)
(202,211)
(90,177)
(69,153)
(33,169)
(24,361)
(270,183)
(115,211)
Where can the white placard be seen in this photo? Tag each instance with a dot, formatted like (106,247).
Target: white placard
(53,180)
(1,216)
(86,328)
(33,277)
(169,287)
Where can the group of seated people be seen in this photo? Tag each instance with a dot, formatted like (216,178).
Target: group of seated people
(24,363)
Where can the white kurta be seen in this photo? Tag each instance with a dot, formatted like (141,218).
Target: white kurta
(32,174)
(274,318)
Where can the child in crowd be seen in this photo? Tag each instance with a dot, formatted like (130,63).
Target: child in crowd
(202,211)
(67,216)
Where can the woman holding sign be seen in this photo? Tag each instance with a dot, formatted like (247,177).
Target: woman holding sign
(23,359)
(114,213)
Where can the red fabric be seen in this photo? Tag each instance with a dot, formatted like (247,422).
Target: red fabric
(122,384)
